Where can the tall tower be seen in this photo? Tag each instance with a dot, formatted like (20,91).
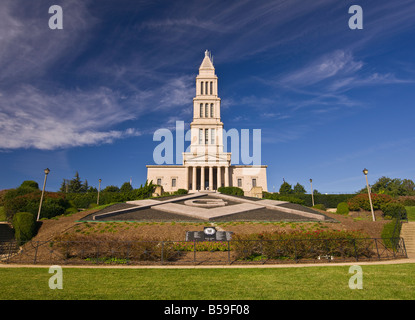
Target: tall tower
(206,148)
(205,165)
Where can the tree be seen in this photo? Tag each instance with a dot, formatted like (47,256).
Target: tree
(29,184)
(285,188)
(75,185)
(392,187)
(111,189)
(298,188)
(126,187)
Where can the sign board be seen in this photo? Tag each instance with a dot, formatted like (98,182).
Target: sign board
(208,234)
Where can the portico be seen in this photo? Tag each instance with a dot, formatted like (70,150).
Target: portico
(206,177)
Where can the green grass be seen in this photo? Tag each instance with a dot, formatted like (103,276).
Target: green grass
(411,213)
(322,283)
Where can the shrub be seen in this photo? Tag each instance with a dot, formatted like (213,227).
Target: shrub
(361,201)
(329,200)
(181,191)
(235,191)
(54,204)
(298,245)
(342,208)
(407,201)
(394,210)
(279,197)
(104,247)
(320,206)
(24,225)
(71,210)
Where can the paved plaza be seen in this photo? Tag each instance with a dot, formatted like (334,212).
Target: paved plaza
(207,206)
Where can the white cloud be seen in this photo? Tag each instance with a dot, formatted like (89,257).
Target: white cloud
(333,64)
(30,118)
(28,48)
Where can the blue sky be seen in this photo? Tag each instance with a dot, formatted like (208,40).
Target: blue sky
(329,100)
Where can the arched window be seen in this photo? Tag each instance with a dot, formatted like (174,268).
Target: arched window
(201,110)
(211,87)
(206,89)
(201,87)
(211,110)
(207,110)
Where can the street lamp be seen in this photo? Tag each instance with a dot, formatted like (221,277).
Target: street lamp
(43,192)
(365,171)
(312,194)
(99,188)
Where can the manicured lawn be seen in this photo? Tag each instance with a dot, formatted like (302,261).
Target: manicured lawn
(379,282)
(411,213)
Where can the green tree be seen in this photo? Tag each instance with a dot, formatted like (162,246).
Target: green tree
(111,189)
(393,187)
(286,188)
(126,187)
(29,184)
(75,185)
(298,188)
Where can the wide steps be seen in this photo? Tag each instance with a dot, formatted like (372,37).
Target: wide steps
(408,234)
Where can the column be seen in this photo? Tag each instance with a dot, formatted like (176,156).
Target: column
(226,176)
(186,177)
(210,178)
(194,178)
(219,178)
(202,178)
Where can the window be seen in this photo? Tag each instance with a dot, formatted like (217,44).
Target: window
(212,136)
(240,183)
(211,110)
(201,110)
(200,136)
(206,110)
(206,89)
(201,87)
(206,136)
(159,182)
(173,182)
(211,87)
(254,182)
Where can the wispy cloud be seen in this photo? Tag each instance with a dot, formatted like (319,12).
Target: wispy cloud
(30,118)
(328,66)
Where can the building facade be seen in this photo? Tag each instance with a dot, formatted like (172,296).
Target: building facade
(206,166)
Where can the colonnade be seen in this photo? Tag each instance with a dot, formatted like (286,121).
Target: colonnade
(207,177)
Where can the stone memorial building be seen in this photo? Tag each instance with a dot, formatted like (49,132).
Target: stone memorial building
(206,166)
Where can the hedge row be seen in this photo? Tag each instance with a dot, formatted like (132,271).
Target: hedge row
(296,245)
(234,191)
(328,200)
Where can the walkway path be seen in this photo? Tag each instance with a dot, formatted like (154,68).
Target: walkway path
(408,234)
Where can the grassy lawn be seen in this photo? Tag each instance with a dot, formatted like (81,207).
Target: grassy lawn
(411,213)
(323,283)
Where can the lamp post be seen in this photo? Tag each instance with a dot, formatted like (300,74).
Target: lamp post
(99,188)
(312,193)
(43,192)
(365,171)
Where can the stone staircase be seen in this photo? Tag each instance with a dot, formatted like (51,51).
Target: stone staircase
(408,234)
(7,242)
